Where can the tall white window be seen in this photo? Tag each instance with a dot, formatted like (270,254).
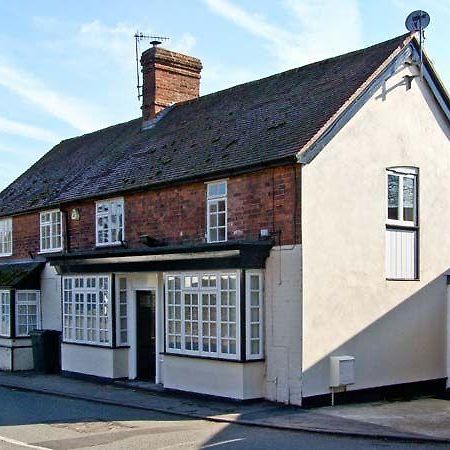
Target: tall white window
(27,312)
(173,300)
(122,312)
(109,222)
(6,237)
(51,231)
(5,313)
(86,309)
(202,314)
(401,224)
(254,313)
(216,214)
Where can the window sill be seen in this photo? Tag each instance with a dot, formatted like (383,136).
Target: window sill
(211,358)
(5,255)
(402,279)
(56,250)
(112,244)
(87,344)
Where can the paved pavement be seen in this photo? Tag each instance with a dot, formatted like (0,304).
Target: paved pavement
(398,420)
(44,422)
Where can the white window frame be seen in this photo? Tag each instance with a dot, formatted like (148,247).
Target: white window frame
(402,173)
(110,202)
(248,310)
(119,313)
(6,237)
(5,294)
(86,290)
(38,310)
(204,290)
(50,224)
(400,226)
(212,199)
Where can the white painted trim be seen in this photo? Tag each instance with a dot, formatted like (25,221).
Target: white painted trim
(38,309)
(86,342)
(200,291)
(248,274)
(61,222)
(166,257)
(6,291)
(110,201)
(210,199)
(8,220)
(402,173)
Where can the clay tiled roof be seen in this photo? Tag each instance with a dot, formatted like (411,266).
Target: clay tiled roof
(249,125)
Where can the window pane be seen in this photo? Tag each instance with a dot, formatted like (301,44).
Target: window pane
(408,199)
(393,197)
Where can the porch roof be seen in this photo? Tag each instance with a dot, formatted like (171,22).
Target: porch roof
(21,275)
(204,256)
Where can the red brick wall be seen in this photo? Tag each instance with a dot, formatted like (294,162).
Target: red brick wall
(263,199)
(168,77)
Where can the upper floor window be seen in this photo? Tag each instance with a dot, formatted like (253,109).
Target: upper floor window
(216,215)
(401,224)
(110,222)
(51,231)
(401,196)
(6,237)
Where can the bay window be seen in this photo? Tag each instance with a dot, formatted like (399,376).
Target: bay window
(254,315)
(109,222)
(86,309)
(203,315)
(51,231)
(27,312)
(6,237)
(402,224)
(5,313)
(122,311)
(216,211)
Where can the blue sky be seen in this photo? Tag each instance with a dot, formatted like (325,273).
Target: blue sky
(67,67)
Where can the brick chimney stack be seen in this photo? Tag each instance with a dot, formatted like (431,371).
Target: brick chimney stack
(168,77)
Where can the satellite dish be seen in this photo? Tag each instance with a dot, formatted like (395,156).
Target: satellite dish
(417,21)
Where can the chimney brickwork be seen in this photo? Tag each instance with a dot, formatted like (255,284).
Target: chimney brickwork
(168,77)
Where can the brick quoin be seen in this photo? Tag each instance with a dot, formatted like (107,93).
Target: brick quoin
(265,199)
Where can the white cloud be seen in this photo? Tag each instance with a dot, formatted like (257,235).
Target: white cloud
(315,30)
(184,44)
(77,113)
(29,131)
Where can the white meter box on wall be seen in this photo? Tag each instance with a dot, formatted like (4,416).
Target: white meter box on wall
(342,370)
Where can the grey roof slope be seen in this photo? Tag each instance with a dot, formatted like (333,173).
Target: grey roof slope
(251,124)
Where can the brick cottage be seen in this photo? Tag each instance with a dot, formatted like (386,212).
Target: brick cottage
(259,242)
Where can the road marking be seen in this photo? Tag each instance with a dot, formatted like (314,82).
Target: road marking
(22,444)
(222,443)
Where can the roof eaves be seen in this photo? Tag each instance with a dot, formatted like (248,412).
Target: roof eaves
(315,145)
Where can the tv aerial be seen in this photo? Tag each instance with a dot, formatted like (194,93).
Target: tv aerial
(155,41)
(416,22)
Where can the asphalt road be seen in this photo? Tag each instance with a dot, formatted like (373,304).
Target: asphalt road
(39,421)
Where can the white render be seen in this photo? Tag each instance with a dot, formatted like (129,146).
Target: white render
(283,320)
(95,361)
(396,330)
(50,299)
(240,381)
